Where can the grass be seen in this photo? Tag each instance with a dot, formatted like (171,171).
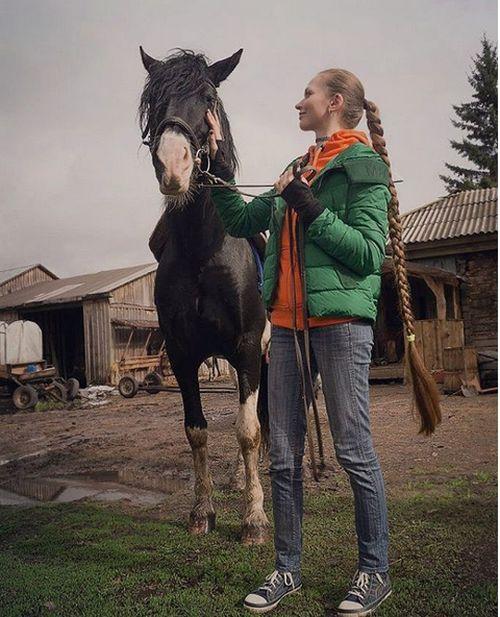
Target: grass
(95,560)
(49,405)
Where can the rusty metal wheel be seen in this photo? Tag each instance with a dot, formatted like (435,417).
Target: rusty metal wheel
(72,388)
(25,397)
(152,379)
(57,391)
(128,386)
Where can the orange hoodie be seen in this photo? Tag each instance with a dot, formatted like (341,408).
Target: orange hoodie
(282,308)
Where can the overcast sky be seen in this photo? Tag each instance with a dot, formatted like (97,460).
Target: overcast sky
(77,192)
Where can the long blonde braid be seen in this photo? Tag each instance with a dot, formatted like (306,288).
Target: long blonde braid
(424,386)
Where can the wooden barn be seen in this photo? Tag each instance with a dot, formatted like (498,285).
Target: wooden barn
(25,276)
(459,234)
(89,321)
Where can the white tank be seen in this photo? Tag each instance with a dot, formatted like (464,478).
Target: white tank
(3,342)
(24,342)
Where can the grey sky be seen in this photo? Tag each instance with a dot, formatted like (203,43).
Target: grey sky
(77,192)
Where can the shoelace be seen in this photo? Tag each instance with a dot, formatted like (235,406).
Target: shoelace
(361,582)
(274,578)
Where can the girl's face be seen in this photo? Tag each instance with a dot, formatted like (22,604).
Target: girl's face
(314,107)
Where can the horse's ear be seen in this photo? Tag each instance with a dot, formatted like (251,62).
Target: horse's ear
(148,61)
(220,70)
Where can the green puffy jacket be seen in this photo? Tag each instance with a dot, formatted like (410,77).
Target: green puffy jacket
(344,245)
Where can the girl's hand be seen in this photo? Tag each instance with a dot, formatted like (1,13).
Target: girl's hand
(215,133)
(284,180)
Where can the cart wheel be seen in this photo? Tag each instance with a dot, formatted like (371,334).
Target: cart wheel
(128,386)
(58,391)
(25,397)
(72,388)
(152,379)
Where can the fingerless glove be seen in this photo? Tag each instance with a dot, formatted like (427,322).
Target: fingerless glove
(219,166)
(300,197)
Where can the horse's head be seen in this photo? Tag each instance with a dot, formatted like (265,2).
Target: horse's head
(178,92)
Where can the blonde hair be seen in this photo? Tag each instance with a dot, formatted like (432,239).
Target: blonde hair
(339,81)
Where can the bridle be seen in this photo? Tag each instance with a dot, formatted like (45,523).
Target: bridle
(199,151)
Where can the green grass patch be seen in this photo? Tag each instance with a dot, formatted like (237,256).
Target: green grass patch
(50,405)
(95,560)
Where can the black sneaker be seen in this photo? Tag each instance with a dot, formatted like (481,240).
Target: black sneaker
(269,595)
(368,591)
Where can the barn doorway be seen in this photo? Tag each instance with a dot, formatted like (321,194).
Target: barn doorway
(63,345)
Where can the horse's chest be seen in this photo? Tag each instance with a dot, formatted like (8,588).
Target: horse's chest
(193,293)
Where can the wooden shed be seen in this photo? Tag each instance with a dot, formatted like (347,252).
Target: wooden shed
(87,320)
(24,276)
(459,234)
(435,297)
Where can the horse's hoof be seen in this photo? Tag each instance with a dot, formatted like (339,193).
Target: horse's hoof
(253,535)
(201,525)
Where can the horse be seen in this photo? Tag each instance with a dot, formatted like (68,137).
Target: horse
(206,292)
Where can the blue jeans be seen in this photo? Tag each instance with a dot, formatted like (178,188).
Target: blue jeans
(342,354)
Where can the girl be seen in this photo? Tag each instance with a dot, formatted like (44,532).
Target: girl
(342,203)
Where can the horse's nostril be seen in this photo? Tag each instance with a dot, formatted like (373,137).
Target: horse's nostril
(186,153)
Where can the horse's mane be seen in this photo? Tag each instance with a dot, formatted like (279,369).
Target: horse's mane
(180,74)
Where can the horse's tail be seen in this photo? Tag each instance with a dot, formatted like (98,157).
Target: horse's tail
(263,406)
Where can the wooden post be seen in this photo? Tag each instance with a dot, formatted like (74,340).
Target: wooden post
(147,343)
(437,288)
(457,314)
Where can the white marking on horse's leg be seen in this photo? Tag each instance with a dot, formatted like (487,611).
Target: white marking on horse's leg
(237,482)
(266,337)
(202,517)
(233,375)
(174,152)
(255,523)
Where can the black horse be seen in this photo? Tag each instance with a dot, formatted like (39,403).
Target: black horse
(206,291)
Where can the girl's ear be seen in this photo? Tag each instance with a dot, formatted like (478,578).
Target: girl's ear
(336,103)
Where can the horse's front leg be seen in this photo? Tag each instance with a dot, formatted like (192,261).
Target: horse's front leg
(202,516)
(256,529)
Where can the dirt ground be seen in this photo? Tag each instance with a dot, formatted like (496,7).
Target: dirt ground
(144,438)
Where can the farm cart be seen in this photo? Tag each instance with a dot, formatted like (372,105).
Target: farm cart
(156,365)
(154,381)
(27,383)
(23,375)
(140,367)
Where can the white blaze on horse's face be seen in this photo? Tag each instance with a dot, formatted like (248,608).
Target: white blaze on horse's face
(174,153)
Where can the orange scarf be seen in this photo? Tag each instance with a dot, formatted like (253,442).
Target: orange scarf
(282,308)
(339,141)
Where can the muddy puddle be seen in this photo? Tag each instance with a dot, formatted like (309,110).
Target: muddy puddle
(113,485)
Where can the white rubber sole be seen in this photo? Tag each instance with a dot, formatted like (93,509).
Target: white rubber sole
(370,611)
(270,607)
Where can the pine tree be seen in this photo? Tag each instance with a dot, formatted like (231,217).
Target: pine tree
(479,120)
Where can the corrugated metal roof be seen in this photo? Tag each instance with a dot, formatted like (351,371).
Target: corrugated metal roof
(7,275)
(75,288)
(464,214)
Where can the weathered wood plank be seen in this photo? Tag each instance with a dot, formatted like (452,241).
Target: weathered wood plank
(97,340)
